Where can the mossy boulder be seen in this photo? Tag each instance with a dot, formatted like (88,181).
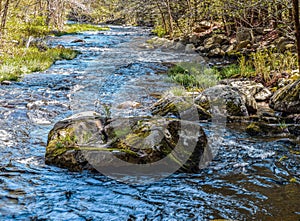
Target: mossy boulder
(287,99)
(262,129)
(182,107)
(91,142)
(225,97)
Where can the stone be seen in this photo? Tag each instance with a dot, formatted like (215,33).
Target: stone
(91,142)
(250,88)
(129,104)
(181,107)
(244,34)
(227,97)
(208,42)
(287,99)
(190,48)
(262,129)
(6,82)
(250,103)
(78,41)
(230,48)
(200,49)
(179,46)
(217,52)
(160,42)
(221,39)
(263,95)
(243,44)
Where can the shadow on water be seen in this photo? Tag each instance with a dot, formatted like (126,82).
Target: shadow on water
(249,179)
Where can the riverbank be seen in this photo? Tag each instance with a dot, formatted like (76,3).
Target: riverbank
(23,54)
(262,55)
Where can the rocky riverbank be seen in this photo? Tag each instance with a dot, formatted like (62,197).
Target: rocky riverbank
(211,41)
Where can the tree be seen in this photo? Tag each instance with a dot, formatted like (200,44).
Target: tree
(297,28)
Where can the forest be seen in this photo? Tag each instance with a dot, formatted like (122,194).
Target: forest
(179,20)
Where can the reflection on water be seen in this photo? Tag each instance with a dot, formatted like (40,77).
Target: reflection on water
(249,179)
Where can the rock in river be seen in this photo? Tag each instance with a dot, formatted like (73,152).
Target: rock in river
(225,97)
(287,99)
(89,141)
(182,107)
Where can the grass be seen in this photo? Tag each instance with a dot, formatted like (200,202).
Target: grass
(264,65)
(36,27)
(27,60)
(159,31)
(76,28)
(193,75)
(16,59)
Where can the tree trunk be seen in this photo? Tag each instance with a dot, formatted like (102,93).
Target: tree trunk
(171,31)
(297,28)
(4,17)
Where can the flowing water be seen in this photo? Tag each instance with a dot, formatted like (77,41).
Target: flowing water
(249,179)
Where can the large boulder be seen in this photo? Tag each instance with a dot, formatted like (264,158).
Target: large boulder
(287,99)
(182,107)
(225,96)
(88,141)
(250,88)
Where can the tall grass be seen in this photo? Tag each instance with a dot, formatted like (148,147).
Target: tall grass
(193,75)
(264,65)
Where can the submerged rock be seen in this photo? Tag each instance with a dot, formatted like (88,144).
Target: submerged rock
(287,99)
(88,141)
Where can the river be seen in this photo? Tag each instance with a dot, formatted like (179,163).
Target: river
(249,179)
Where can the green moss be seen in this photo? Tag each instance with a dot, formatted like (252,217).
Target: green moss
(233,109)
(61,142)
(253,129)
(259,128)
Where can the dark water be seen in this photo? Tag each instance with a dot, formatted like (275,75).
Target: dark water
(249,179)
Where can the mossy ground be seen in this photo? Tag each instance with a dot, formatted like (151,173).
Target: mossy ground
(26,60)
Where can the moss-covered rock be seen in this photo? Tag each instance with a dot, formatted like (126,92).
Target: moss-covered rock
(287,99)
(88,141)
(225,97)
(182,107)
(262,129)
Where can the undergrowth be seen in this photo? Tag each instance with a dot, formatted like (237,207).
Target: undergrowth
(193,75)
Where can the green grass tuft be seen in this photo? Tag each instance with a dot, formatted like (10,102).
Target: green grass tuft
(193,75)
